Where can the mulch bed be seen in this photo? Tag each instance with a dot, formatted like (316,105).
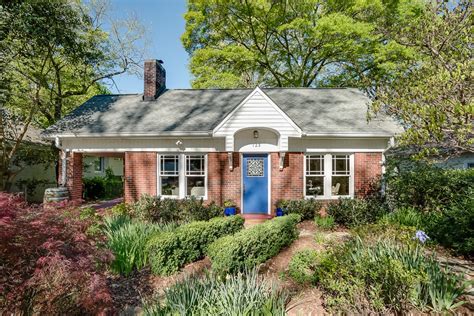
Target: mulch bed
(128,293)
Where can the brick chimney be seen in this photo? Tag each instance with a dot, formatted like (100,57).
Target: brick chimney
(155,79)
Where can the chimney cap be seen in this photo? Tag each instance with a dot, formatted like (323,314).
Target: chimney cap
(160,61)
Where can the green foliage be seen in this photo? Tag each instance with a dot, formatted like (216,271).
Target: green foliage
(386,276)
(252,246)
(406,216)
(431,93)
(127,240)
(168,252)
(303,265)
(454,227)
(155,209)
(106,187)
(243,294)
(325,222)
(306,208)
(438,200)
(427,187)
(120,209)
(229,203)
(386,231)
(297,44)
(353,212)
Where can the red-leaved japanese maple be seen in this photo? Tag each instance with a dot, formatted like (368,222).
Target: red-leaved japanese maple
(48,264)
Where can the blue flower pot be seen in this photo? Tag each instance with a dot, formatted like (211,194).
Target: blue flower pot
(279,212)
(228,211)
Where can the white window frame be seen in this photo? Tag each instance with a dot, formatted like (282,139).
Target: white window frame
(101,165)
(328,176)
(182,175)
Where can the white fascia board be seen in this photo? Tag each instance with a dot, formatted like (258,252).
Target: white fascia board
(348,135)
(142,135)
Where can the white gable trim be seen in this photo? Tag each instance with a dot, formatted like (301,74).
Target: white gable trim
(269,101)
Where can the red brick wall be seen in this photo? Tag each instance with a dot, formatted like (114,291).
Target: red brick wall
(223,183)
(367,169)
(287,183)
(73,176)
(140,174)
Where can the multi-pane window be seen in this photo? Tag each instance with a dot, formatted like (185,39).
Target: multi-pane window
(169,175)
(314,175)
(99,164)
(195,175)
(341,173)
(328,175)
(182,175)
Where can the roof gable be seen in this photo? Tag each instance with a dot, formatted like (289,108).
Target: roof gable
(257,110)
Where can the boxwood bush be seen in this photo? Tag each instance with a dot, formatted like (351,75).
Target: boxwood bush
(252,246)
(169,251)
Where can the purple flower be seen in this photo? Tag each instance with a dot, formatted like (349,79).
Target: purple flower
(421,236)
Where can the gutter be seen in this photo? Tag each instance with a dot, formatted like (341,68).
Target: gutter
(162,134)
(347,135)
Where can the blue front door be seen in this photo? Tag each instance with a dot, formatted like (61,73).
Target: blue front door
(255,183)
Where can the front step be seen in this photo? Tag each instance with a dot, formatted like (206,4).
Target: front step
(255,219)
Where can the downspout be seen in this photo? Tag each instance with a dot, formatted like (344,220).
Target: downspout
(63,180)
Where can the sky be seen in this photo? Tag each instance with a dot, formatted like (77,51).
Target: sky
(164,22)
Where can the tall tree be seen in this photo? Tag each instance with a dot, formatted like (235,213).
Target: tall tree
(433,95)
(302,43)
(55,55)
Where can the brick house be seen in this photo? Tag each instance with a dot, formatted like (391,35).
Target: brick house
(253,146)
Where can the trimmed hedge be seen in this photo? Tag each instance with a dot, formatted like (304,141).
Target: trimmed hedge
(169,251)
(250,247)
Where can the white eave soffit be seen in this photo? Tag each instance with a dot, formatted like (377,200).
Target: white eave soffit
(270,102)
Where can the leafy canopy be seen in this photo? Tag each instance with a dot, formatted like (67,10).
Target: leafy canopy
(301,43)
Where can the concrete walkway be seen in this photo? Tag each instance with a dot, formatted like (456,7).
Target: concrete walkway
(99,205)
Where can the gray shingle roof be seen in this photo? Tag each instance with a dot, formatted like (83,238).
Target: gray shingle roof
(193,110)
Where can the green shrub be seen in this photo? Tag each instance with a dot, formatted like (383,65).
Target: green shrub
(168,252)
(406,216)
(385,276)
(429,188)
(453,227)
(303,265)
(306,208)
(127,240)
(325,222)
(353,212)
(252,246)
(120,209)
(155,209)
(243,294)
(371,233)
(107,187)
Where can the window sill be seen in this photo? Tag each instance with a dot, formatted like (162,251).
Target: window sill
(335,197)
